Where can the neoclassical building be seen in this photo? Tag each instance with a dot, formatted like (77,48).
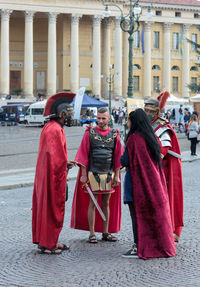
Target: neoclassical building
(55,45)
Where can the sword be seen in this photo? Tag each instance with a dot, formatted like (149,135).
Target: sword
(174,154)
(95,202)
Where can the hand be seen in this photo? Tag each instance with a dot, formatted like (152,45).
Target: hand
(83,179)
(116,181)
(70,164)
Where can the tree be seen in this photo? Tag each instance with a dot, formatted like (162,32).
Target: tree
(195,87)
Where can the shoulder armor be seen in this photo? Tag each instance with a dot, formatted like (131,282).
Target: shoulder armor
(163,134)
(162,130)
(165,139)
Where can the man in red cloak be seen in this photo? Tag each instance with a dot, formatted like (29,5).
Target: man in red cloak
(99,160)
(171,155)
(48,204)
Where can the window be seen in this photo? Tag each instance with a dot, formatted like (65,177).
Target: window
(20,109)
(28,112)
(10,110)
(158,13)
(177,14)
(155,67)
(136,67)
(175,68)
(194,80)
(156,40)
(196,15)
(136,83)
(37,111)
(136,40)
(194,39)
(194,68)
(175,42)
(175,84)
(156,84)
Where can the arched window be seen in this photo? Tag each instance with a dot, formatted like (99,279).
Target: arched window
(136,67)
(193,68)
(175,68)
(155,67)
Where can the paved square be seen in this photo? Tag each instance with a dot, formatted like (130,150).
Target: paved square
(88,265)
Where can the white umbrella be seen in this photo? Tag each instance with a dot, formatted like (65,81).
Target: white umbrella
(195,98)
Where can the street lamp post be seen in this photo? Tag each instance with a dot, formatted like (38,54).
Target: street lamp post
(110,80)
(130,24)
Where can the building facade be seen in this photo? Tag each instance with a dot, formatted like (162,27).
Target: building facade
(55,45)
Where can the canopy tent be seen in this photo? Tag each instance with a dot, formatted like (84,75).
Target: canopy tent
(90,102)
(195,99)
(174,100)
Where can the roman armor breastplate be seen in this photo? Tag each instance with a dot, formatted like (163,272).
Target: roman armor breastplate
(101,151)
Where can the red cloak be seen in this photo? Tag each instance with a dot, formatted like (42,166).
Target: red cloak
(79,218)
(155,234)
(173,175)
(48,205)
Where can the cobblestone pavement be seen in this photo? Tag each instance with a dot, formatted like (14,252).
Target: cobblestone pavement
(88,265)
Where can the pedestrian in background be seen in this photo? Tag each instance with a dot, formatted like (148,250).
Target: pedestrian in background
(193,131)
(121,115)
(148,198)
(48,204)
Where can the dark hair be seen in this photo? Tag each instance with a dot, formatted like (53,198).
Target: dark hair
(102,110)
(141,124)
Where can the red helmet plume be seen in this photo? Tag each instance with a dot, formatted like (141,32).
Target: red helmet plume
(163,99)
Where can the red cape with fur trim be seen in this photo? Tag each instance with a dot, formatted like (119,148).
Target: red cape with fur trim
(155,235)
(48,205)
(173,174)
(79,218)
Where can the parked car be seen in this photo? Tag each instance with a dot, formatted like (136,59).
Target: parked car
(34,114)
(14,113)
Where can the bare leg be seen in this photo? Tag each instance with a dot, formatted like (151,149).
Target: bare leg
(91,215)
(106,211)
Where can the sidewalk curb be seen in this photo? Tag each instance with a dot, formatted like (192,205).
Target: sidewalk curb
(19,185)
(190,160)
(70,177)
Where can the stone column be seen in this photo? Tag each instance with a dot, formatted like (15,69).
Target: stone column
(106,56)
(118,59)
(147,60)
(186,62)
(96,66)
(75,52)
(167,57)
(125,64)
(28,54)
(5,67)
(51,78)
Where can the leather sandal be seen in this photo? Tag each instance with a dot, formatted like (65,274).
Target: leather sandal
(92,239)
(64,247)
(108,237)
(42,249)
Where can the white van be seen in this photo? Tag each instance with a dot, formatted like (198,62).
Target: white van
(34,114)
